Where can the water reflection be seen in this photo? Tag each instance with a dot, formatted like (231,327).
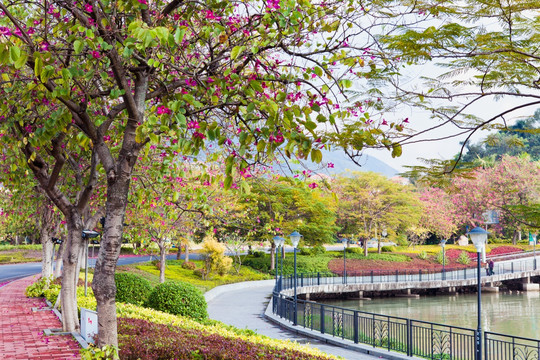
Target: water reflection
(513,314)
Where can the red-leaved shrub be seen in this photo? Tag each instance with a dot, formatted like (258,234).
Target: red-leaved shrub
(140,339)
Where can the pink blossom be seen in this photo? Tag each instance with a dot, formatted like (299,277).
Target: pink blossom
(193,125)
(313,185)
(163,110)
(330,165)
(191,82)
(96,54)
(144,2)
(88,8)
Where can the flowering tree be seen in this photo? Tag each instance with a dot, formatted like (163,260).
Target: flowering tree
(112,77)
(513,181)
(439,213)
(369,202)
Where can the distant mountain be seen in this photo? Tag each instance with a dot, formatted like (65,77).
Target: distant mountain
(341,163)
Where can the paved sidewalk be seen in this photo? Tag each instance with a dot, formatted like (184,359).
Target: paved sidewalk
(243,305)
(21,329)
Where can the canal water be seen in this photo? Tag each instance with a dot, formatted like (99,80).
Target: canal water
(511,314)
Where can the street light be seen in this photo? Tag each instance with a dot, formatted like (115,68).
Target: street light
(87,234)
(277,243)
(479,238)
(295,239)
(534,249)
(443,243)
(344,242)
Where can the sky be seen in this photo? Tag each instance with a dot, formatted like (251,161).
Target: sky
(447,148)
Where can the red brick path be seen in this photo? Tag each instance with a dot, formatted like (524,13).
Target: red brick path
(21,329)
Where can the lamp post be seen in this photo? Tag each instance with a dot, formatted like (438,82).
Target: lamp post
(443,243)
(479,238)
(295,239)
(344,242)
(86,235)
(534,250)
(277,243)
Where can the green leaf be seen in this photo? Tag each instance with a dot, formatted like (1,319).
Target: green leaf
(38,65)
(228,182)
(179,35)
(256,86)
(14,53)
(78,46)
(316,156)
(310,125)
(396,150)
(236,51)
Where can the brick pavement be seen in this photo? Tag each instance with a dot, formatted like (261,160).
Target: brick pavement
(21,329)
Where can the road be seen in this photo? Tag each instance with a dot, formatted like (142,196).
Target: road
(17,271)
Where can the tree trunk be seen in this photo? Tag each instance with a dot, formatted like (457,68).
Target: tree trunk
(103,284)
(515,237)
(179,251)
(364,242)
(59,259)
(70,274)
(47,253)
(187,252)
(162,259)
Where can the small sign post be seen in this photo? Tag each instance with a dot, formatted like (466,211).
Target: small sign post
(89,325)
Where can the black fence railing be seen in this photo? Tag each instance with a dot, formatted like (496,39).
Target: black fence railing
(411,337)
(385,276)
(507,347)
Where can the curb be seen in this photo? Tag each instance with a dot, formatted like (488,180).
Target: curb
(219,290)
(268,315)
(329,339)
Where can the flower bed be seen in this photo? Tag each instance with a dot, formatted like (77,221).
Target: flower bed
(500,250)
(143,339)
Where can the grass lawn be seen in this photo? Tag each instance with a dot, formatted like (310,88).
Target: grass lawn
(174,271)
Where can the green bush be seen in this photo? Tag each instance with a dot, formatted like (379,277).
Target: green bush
(355,250)
(132,289)
(312,251)
(178,298)
(464,258)
(258,254)
(423,255)
(305,263)
(441,257)
(40,287)
(388,249)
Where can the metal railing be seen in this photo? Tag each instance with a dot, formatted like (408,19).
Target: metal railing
(411,337)
(385,276)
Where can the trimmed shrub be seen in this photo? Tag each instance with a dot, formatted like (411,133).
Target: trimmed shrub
(388,249)
(132,289)
(355,250)
(156,341)
(423,255)
(178,298)
(315,250)
(188,265)
(258,254)
(464,258)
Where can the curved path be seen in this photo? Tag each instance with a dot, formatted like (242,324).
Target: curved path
(243,306)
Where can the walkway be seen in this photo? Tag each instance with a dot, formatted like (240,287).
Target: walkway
(21,329)
(243,306)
